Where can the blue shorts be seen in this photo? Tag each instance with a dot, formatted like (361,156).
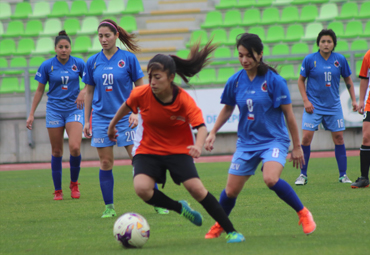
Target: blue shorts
(246,162)
(333,123)
(55,119)
(100,136)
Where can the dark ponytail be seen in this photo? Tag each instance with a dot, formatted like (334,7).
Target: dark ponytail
(62,36)
(127,39)
(252,42)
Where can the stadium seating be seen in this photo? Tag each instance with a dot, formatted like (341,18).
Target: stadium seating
(289,15)
(349,11)
(246,3)
(282,2)
(205,76)
(224,74)
(233,34)
(5,11)
(3,64)
(97,7)
(364,10)
(82,44)
(251,17)
(34,84)
(115,7)
(337,27)
(9,85)
(366,32)
(218,36)
(198,35)
(353,29)
(60,9)
(299,48)
(343,48)
(16,62)
(213,20)
(312,30)
(134,6)
(33,28)
(89,26)
(358,67)
(294,33)
(34,63)
(1,28)
(277,51)
(287,72)
(15,28)
(41,10)
(309,13)
(226,4)
(52,27)
(128,23)
(25,47)
(44,45)
(258,30)
(221,52)
(78,8)
(263,3)
(359,45)
(22,10)
(275,34)
(71,26)
(233,18)
(328,11)
(7,47)
(270,16)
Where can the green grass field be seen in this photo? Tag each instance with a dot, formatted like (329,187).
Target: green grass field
(32,223)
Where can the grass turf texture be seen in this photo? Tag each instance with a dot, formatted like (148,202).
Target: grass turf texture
(32,223)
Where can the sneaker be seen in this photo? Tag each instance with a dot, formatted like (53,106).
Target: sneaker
(306,219)
(301,180)
(58,195)
(192,215)
(109,212)
(235,237)
(214,232)
(344,179)
(361,182)
(75,192)
(161,210)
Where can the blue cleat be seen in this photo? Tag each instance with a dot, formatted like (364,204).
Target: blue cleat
(235,237)
(194,216)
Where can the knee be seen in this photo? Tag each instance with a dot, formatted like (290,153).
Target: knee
(366,139)
(75,151)
(57,153)
(231,193)
(270,180)
(106,163)
(338,139)
(306,140)
(143,192)
(198,193)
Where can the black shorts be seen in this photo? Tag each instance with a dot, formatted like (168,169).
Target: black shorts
(366,116)
(181,167)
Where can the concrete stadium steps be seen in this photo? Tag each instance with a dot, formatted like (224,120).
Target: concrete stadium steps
(164,5)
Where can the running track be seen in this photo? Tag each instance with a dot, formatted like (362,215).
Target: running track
(121,162)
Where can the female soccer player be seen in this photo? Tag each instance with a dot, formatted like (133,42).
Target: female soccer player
(321,99)
(363,181)
(64,110)
(263,99)
(164,139)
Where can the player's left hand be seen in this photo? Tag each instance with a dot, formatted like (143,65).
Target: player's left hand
(112,133)
(80,101)
(194,151)
(355,107)
(297,157)
(133,120)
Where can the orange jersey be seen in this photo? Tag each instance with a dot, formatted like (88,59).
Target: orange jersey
(164,128)
(365,73)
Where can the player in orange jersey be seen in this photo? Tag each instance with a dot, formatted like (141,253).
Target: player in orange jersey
(363,181)
(164,139)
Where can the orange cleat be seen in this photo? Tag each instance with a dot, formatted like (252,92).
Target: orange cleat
(75,192)
(58,195)
(306,219)
(214,232)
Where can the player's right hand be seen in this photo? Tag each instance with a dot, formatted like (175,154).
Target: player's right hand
(361,107)
(308,107)
(87,130)
(30,121)
(210,140)
(112,133)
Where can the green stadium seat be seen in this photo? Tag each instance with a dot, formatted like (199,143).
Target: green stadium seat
(25,46)
(289,15)
(251,17)
(309,13)
(219,36)
(277,50)
(294,33)
(3,64)
(315,48)
(343,48)
(328,11)
(300,2)
(97,7)
(134,6)
(224,74)
(78,56)
(263,3)
(40,10)
(16,62)
(5,10)
(221,52)
(15,28)
(22,10)
(337,1)
(364,10)
(96,46)
(359,45)
(78,8)
(205,77)
(10,85)
(233,18)
(358,67)
(128,23)
(349,11)
(7,47)
(45,46)
(226,4)
(115,7)
(270,16)
(266,51)
(235,57)
(33,28)
(337,27)
(213,20)
(60,9)
(282,2)
(246,3)
(299,48)
(312,30)
(353,29)
(366,32)
(89,26)
(184,53)
(33,84)
(319,1)
(35,63)
(287,72)
(198,35)
(258,31)
(275,34)
(52,27)
(233,34)
(82,44)
(110,17)
(71,26)
(1,28)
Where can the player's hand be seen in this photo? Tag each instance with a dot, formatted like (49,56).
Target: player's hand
(297,157)
(30,121)
(354,106)
(133,120)
(210,140)
(80,101)
(194,151)
(308,106)
(87,133)
(360,107)
(112,133)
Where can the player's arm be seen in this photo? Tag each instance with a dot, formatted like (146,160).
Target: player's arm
(81,98)
(112,131)
(139,82)
(89,94)
(196,149)
(363,88)
(302,89)
(297,153)
(351,90)
(36,100)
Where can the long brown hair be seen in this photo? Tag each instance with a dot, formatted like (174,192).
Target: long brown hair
(126,38)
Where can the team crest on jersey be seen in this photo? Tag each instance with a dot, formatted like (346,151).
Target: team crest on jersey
(264,86)
(74,68)
(336,63)
(173,117)
(121,63)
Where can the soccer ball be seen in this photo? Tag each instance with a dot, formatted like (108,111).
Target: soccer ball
(132,230)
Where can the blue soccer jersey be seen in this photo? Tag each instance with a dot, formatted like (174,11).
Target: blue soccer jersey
(64,82)
(113,80)
(261,120)
(323,79)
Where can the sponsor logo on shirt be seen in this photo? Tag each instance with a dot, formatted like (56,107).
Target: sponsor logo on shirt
(38,74)
(108,88)
(108,68)
(250,116)
(84,73)
(121,63)
(336,63)
(250,92)
(54,122)
(98,140)
(235,166)
(302,68)
(327,67)
(309,125)
(281,97)
(173,117)
(74,68)
(264,86)
(64,87)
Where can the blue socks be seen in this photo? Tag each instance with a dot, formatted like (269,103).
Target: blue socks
(287,194)
(340,155)
(75,167)
(56,171)
(306,154)
(227,203)
(106,185)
